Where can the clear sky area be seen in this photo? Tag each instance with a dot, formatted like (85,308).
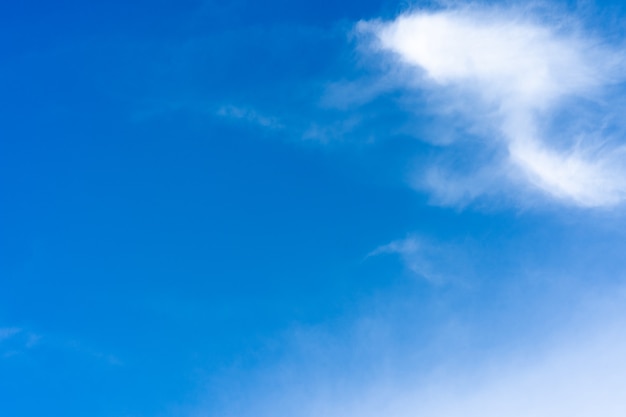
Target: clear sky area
(312,209)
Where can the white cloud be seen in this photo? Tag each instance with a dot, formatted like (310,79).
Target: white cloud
(510,75)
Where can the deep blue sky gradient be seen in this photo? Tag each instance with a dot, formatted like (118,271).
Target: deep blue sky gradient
(147,243)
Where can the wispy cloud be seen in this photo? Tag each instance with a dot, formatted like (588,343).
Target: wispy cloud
(250,116)
(437,263)
(513,76)
(576,378)
(361,371)
(306,129)
(8,332)
(16,340)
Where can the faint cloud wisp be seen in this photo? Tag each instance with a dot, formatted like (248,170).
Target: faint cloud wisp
(250,116)
(435,262)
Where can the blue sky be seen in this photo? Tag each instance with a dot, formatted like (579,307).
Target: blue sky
(312,209)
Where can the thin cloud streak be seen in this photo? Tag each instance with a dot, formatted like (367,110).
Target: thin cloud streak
(437,263)
(8,332)
(250,116)
(510,75)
